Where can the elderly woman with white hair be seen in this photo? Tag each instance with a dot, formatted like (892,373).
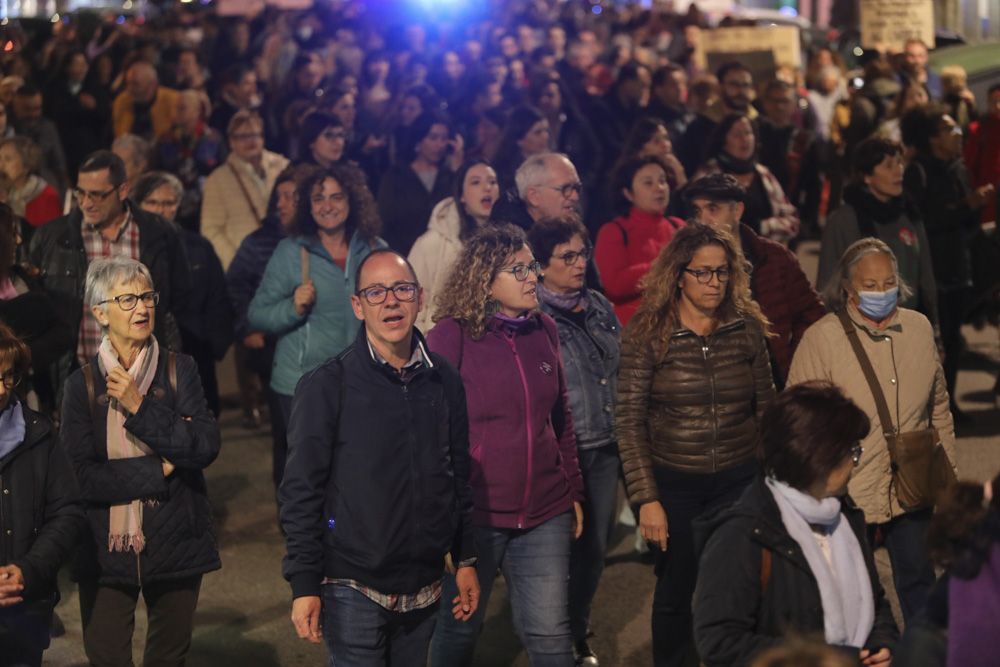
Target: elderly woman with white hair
(884,358)
(138,432)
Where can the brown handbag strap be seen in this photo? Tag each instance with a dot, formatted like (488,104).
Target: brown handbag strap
(305,264)
(866,367)
(172,370)
(246,193)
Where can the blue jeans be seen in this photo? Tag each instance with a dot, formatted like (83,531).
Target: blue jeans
(535,564)
(600,483)
(361,633)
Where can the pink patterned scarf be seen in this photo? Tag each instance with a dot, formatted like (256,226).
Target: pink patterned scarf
(125,523)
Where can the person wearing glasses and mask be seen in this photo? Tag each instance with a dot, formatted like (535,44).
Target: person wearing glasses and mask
(627,246)
(41,519)
(867,291)
(304,298)
(371,579)
(106,224)
(589,336)
(694,379)
(139,434)
(791,557)
(527,489)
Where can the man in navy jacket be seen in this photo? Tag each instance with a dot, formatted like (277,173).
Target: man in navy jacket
(375,494)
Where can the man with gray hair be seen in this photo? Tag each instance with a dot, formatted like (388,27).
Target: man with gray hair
(548,187)
(105,224)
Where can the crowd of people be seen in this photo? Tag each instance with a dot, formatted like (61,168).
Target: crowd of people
(479,275)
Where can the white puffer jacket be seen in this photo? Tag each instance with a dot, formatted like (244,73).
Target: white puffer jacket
(434,254)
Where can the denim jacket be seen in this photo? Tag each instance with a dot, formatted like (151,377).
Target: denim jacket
(592,380)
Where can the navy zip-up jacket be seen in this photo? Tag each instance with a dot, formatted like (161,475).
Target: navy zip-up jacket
(376,486)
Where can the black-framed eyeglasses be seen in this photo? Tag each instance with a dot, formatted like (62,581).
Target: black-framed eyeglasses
(10,379)
(704,276)
(128,302)
(569,258)
(82,195)
(567,189)
(333,135)
(377,294)
(856,452)
(521,271)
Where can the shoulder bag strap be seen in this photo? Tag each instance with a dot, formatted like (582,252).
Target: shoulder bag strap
(246,193)
(305,264)
(765,569)
(88,382)
(172,371)
(866,367)
(624,232)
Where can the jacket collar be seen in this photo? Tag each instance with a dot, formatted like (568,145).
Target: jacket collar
(895,323)
(420,351)
(36,428)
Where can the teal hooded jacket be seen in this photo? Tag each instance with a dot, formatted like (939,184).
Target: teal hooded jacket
(306,341)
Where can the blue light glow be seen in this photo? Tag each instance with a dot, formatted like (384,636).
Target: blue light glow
(596,9)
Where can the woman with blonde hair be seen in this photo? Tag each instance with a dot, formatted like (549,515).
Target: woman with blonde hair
(525,478)
(694,379)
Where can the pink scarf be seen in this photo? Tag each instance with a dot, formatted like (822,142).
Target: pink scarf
(125,523)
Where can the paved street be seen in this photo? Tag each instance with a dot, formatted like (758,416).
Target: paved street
(243,615)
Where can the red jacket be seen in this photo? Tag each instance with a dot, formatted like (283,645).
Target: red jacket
(982,159)
(625,249)
(43,208)
(788,300)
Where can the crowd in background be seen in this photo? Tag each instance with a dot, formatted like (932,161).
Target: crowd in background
(526,158)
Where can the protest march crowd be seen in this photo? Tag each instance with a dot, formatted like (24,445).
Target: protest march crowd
(480,268)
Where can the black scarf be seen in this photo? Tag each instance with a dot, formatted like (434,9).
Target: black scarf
(869,207)
(732,165)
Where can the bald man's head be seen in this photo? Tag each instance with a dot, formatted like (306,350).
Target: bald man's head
(141,82)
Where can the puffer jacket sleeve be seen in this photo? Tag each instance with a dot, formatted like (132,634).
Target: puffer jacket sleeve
(809,362)
(635,382)
(763,377)
(272,309)
(186,434)
(103,482)
(62,525)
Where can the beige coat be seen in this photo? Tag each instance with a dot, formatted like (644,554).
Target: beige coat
(906,361)
(434,254)
(227,215)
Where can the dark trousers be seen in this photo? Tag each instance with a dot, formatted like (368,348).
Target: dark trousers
(108,617)
(281,411)
(952,307)
(600,486)
(685,496)
(24,634)
(249,378)
(361,633)
(905,539)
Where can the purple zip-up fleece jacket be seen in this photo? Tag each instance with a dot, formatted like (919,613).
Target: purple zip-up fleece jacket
(524,465)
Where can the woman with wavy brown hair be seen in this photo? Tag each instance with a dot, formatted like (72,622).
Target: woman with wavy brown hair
(304,298)
(694,379)
(526,483)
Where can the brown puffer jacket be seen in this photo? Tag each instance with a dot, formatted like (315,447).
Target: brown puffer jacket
(696,410)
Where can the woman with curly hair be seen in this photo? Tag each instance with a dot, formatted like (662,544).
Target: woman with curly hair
(694,379)
(525,478)
(305,296)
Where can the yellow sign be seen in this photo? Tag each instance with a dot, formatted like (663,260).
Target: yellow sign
(887,24)
(781,40)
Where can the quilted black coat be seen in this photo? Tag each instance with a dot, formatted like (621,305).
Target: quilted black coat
(177,426)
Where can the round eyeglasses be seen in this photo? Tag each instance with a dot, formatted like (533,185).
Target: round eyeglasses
(569,258)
